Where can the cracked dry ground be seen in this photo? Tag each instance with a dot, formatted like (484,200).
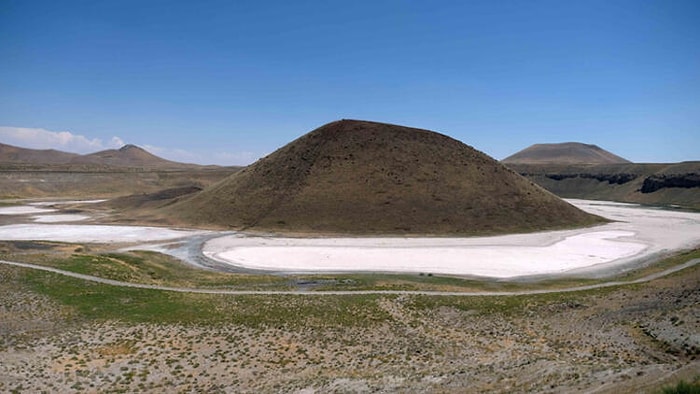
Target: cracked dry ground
(625,339)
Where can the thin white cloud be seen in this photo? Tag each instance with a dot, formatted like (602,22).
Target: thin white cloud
(61,140)
(116,142)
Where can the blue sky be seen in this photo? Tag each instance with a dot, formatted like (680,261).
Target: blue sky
(225,82)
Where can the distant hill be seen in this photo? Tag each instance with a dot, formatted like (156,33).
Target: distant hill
(564,153)
(17,155)
(27,173)
(365,177)
(127,156)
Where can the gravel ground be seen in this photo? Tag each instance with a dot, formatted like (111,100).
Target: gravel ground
(625,340)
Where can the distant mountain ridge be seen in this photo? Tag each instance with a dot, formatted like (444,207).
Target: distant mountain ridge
(126,156)
(564,153)
(17,155)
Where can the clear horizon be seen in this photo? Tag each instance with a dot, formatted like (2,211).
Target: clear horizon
(227,83)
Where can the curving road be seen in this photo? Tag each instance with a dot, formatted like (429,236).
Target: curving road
(111,282)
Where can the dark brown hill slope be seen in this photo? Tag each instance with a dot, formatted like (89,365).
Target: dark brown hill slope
(371,178)
(564,153)
(17,155)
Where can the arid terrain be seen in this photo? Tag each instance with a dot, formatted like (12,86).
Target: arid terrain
(65,334)
(311,197)
(142,309)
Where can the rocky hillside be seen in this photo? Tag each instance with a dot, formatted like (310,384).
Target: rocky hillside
(367,178)
(564,153)
(658,184)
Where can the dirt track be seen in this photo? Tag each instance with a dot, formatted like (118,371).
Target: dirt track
(111,282)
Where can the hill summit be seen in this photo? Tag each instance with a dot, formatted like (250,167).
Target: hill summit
(564,153)
(363,177)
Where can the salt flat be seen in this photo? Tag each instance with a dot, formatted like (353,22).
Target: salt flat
(59,218)
(39,207)
(24,210)
(65,202)
(90,233)
(638,233)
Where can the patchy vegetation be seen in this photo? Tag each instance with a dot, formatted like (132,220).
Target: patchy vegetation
(64,334)
(105,302)
(150,268)
(684,387)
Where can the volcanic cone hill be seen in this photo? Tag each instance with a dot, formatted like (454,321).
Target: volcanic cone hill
(364,177)
(564,153)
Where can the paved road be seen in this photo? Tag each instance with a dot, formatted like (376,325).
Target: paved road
(91,278)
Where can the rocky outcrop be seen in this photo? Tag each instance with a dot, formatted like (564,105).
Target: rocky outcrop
(618,179)
(658,182)
(673,184)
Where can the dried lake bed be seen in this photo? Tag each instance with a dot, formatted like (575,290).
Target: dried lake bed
(637,235)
